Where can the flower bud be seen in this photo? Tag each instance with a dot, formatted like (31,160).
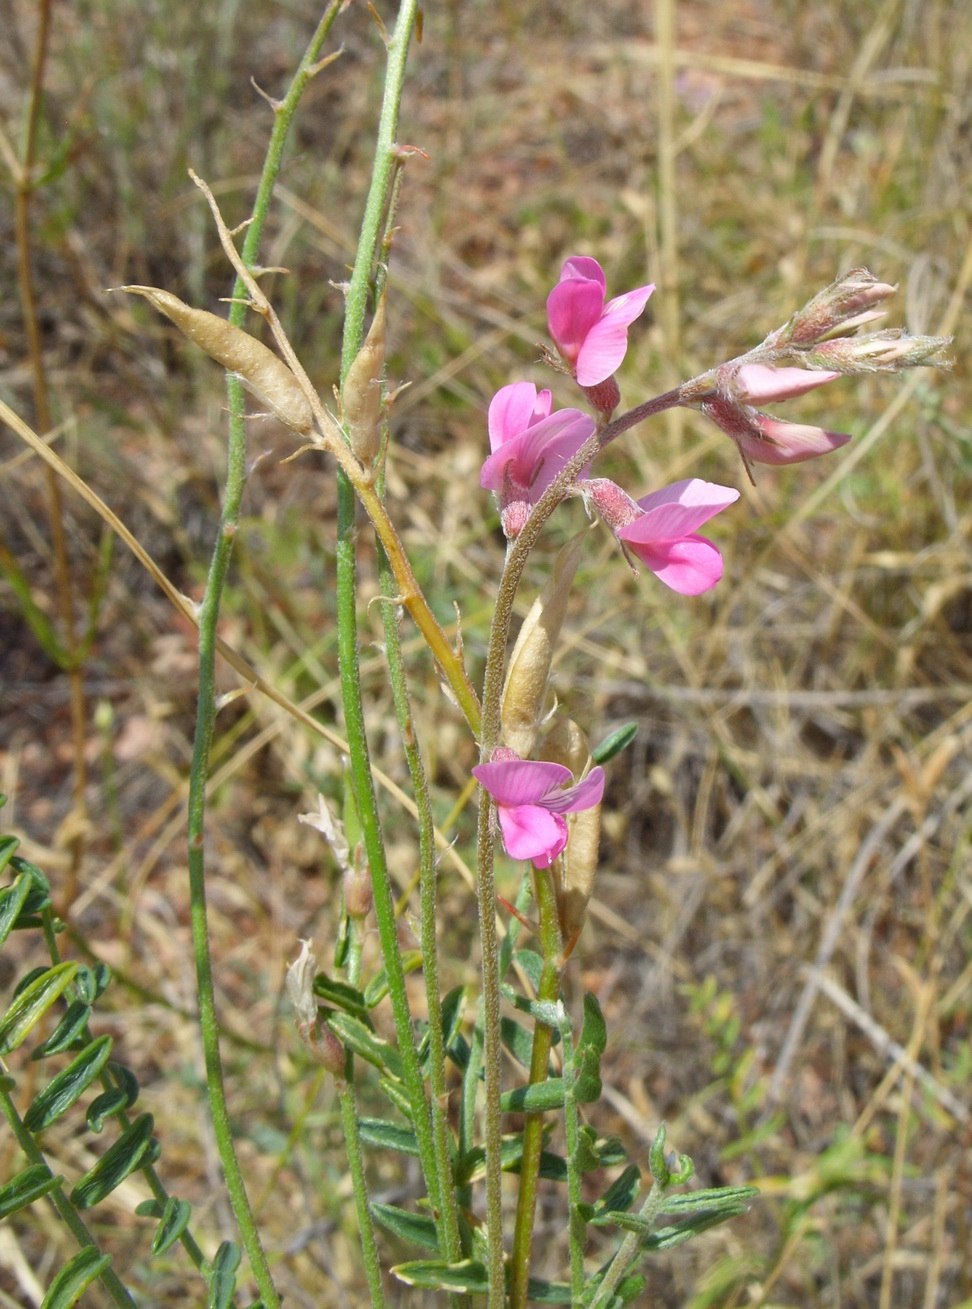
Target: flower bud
(525,691)
(888,351)
(767,440)
(843,305)
(262,372)
(358,894)
(575,871)
(300,985)
(361,398)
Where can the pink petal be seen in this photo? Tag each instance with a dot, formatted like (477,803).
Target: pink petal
(677,510)
(538,453)
(585,795)
(689,566)
(573,307)
(763,384)
(606,343)
(530,832)
(582,266)
(513,408)
(513,782)
(789,443)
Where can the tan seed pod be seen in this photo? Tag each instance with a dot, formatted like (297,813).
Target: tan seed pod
(575,870)
(262,372)
(361,393)
(526,679)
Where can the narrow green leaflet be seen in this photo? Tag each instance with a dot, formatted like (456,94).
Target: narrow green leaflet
(12,900)
(68,1030)
(92,982)
(388,1136)
(28,1186)
(8,844)
(69,1084)
(590,1048)
(104,1105)
(615,743)
(669,1237)
(417,1228)
(222,1277)
(339,995)
(713,1198)
(32,1003)
(119,1160)
(75,1277)
(543,1292)
(466,1278)
(365,1043)
(534,1099)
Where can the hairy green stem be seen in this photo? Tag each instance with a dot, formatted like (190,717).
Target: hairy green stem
(627,1251)
(549,990)
(206,709)
(576,1227)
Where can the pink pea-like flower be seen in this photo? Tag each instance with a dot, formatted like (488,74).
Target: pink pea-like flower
(660,529)
(531,799)
(530,446)
(592,336)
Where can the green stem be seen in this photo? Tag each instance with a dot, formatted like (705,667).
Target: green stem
(576,1227)
(447,1222)
(627,1251)
(206,709)
(66,1211)
(549,990)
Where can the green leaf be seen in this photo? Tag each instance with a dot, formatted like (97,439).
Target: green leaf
(388,1136)
(8,845)
(537,1098)
(222,1276)
(339,995)
(28,1186)
(12,900)
(631,1288)
(365,1043)
(104,1105)
(532,965)
(32,1003)
(615,743)
(472,1166)
(453,1005)
(590,1048)
(397,1095)
(621,1194)
(466,1278)
(377,988)
(657,1163)
(71,1026)
(550,1012)
(417,1228)
(68,1086)
(75,1277)
(713,1198)
(126,1081)
(678,1233)
(40,896)
(92,982)
(119,1160)
(543,1292)
(517,1039)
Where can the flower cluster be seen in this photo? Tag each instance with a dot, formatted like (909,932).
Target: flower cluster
(531,444)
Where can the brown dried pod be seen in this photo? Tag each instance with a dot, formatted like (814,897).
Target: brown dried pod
(575,870)
(526,678)
(361,393)
(262,372)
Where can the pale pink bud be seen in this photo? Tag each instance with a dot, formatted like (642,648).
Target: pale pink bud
(778,442)
(837,306)
(764,384)
(888,351)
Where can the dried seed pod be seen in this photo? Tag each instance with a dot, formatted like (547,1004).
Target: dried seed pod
(526,678)
(262,372)
(361,393)
(576,869)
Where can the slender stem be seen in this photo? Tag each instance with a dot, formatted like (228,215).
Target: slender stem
(447,1223)
(206,709)
(352,1143)
(549,990)
(627,1251)
(576,1227)
(66,1211)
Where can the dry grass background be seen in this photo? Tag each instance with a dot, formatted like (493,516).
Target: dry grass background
(781,936)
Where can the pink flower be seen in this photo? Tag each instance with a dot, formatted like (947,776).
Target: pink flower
(763,439)
(531,799)
(660,529)
(592,336)
(530,446)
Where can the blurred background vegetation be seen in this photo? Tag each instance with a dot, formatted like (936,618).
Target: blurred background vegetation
(781,934)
